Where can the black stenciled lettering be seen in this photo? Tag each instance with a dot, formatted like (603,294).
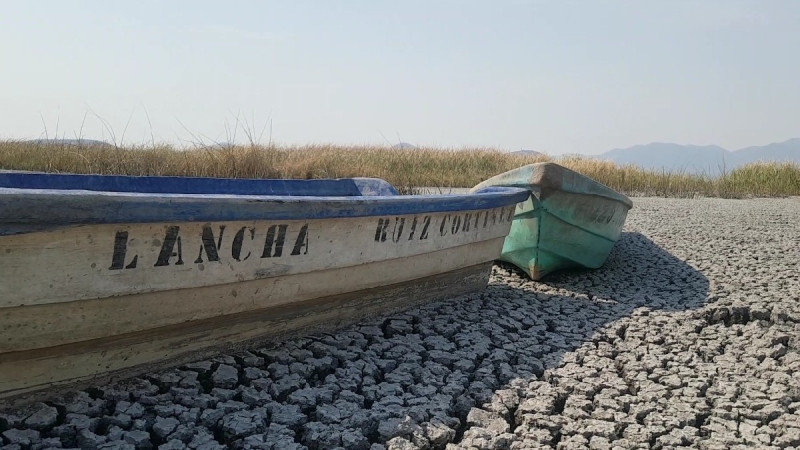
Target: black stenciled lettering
(477,219)
(273,246)
(426,221)
(212,248)
(485,218)
(120,249)
(168,248)
(380,232)
(238,240)
(510,213)
(302,241)
(397,231)
(413,228)
(456,226)
(494,216)
(443,225)
(467,220)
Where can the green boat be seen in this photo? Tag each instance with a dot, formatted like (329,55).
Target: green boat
(569,221)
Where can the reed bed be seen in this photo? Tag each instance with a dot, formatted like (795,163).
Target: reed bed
(408,169)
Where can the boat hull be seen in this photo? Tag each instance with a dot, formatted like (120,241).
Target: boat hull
(570,221)
(121,355)
(105,298)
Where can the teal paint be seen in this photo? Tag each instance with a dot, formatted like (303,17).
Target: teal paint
(569,221)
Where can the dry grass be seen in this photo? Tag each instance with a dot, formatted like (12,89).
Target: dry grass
(405,168)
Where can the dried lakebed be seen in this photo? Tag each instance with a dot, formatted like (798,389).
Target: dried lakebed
(689,336)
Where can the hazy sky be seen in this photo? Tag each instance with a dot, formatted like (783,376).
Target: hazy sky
(554,76)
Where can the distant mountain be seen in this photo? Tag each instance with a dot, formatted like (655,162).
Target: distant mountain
(528,153)
(782,151)
(71,142)
(694,159)
(671,157)
(404,145)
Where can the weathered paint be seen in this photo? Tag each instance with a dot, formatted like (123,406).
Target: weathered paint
(569,221)
(109,281)
(97,261)
(49,324)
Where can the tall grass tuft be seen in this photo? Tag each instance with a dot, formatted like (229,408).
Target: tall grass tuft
(761,180)
(407,169)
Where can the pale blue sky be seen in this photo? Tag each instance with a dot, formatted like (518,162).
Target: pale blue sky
(555,76)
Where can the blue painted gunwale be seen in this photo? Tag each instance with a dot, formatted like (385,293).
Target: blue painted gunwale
(196,185)
(37,202)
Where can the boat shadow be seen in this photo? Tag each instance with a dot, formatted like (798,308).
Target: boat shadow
(638,278)
(534,327)
(637,273)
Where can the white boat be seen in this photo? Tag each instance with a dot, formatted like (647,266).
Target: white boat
(109,276)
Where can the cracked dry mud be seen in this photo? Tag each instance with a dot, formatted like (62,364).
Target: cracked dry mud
(689,336)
